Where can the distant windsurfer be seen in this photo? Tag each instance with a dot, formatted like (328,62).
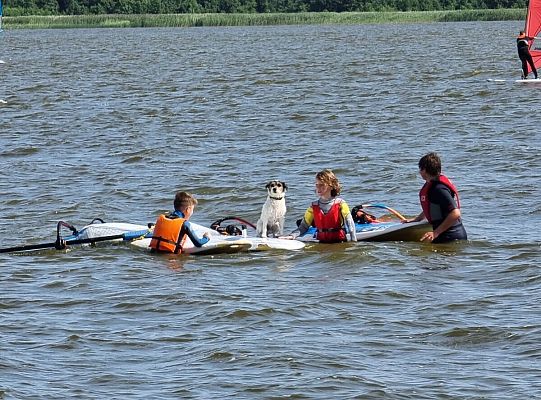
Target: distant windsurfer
(523,47)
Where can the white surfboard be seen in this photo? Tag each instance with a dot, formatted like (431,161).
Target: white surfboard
(139,237)
(383,232)
(526,81)
(239,245)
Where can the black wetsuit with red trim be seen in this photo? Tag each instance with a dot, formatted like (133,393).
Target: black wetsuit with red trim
(440,202)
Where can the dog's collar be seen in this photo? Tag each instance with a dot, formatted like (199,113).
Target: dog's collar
(276,198)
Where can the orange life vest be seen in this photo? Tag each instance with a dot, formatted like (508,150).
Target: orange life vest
(423,194)
(166,236)
(329,226)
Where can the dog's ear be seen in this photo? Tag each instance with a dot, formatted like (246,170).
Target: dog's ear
(284,185)
(267,186)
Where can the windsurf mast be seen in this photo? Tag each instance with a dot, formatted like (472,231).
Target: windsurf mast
(533,29)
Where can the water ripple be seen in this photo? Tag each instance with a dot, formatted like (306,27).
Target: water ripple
(117,120)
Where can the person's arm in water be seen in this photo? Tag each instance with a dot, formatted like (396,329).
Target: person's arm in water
(448,222)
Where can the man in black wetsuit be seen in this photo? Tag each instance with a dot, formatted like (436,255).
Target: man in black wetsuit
(523,47)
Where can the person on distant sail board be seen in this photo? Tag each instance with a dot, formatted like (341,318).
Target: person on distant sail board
(171,230)
(330,214)
(523,47)
(440,203)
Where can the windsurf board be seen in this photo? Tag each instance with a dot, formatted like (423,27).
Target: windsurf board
(382,232)
(139,236)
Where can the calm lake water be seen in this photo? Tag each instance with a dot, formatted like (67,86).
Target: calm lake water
(110,123)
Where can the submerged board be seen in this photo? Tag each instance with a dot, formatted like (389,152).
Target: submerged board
(139,236)
(382,232)
(210,248)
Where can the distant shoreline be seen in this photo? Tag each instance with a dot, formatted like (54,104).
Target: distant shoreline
(194,20)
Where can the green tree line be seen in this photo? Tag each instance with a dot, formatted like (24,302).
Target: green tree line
(82,7)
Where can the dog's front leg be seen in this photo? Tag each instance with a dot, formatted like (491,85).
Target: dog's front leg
(261,228)
(281,227)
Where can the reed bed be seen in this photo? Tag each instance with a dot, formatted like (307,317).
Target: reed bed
(194,20)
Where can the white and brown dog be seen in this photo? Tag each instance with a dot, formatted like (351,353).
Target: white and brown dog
(273,213)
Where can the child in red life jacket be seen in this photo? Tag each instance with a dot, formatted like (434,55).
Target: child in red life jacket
(440,203)
(171,230)
(330,214)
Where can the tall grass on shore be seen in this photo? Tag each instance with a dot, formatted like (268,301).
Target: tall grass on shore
(193,20)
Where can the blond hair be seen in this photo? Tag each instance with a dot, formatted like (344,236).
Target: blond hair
(329,178)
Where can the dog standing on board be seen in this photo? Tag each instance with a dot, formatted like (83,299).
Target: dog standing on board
(273,213)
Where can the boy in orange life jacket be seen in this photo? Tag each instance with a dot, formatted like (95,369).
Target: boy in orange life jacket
(171,230)
(440,203)
(330,214)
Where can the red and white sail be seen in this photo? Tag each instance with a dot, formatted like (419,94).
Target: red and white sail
(533,29)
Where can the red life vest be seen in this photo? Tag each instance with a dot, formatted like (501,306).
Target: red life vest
(166,237)
(423,194)
(329,226)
